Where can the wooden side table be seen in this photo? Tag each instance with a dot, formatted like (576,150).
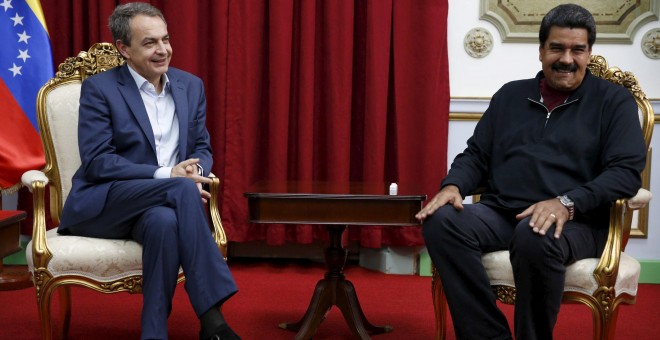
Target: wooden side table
(311,203)
(12,277)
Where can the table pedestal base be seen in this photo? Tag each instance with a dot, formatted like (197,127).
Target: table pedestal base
(334,290)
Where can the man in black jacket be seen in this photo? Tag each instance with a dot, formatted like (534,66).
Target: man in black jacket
(553,152)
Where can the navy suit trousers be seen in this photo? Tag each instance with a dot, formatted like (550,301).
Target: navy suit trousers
(168,218)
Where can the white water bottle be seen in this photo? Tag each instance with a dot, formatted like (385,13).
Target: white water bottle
(394,189)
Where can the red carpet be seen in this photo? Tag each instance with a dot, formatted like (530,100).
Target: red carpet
(272,292)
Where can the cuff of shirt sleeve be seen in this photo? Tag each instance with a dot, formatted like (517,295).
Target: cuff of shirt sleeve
(163,172)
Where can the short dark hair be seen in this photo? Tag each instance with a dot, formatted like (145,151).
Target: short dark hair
(571,16)
(120,20)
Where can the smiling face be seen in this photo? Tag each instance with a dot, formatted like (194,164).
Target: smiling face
(150,51)
(564,57)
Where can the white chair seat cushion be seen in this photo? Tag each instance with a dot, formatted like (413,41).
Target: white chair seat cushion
(579,275)
(99,259)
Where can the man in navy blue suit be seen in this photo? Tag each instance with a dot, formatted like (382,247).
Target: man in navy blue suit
(145,154)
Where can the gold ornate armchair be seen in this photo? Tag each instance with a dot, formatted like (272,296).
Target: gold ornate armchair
(57,261)
(600,283)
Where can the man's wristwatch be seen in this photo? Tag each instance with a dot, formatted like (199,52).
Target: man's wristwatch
(568,203)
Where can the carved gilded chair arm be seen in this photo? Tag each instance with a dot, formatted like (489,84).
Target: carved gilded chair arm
(607,269)
(214,213)
(31,176)
(640,200)
(36,181)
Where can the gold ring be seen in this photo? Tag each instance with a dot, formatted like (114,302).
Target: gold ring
(553,216)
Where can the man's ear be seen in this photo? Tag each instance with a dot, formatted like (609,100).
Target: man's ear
(121,47)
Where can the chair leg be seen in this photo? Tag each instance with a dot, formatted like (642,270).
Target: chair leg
(65,310)
(604,323)
(439,305)
(43,303)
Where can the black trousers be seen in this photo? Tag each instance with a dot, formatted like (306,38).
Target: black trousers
(456,240)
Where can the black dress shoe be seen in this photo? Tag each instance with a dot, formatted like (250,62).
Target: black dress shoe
(223,332)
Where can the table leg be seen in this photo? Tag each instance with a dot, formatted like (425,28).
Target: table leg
(335,290)
(12,276)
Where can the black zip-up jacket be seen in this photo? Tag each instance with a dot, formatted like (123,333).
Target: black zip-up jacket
(590,148)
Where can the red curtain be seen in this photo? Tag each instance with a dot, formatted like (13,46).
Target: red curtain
(304,90)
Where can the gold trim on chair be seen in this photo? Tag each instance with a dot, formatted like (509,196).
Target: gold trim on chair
(100,57)
(218,233)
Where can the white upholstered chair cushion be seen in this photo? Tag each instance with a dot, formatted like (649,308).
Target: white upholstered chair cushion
(62,112)
(100,259)
(579,275)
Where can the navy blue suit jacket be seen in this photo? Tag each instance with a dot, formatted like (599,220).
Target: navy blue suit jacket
(116,140)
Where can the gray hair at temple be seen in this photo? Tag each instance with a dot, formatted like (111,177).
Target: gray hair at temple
(120,20)
(571,16)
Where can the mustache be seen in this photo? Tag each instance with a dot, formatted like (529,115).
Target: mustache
(564,67)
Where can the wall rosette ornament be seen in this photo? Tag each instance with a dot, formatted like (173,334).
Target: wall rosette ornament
(478,42)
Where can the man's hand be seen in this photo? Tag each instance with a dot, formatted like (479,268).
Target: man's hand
(448,195)
(188,168)
(544,215)
(206,196)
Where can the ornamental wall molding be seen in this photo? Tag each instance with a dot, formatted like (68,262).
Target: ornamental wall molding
(465,108)
(617,21)
(651,44)
(478,42)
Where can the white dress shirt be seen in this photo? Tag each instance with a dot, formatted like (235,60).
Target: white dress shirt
(164,123)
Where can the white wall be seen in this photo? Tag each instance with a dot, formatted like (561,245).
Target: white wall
(471,77)
(480,78)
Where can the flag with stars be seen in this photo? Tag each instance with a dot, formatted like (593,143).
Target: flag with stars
(26,63)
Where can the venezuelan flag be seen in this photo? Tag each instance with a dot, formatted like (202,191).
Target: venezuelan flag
(26,63)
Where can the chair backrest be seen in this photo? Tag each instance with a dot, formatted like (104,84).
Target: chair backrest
(57,114)
(598,67)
